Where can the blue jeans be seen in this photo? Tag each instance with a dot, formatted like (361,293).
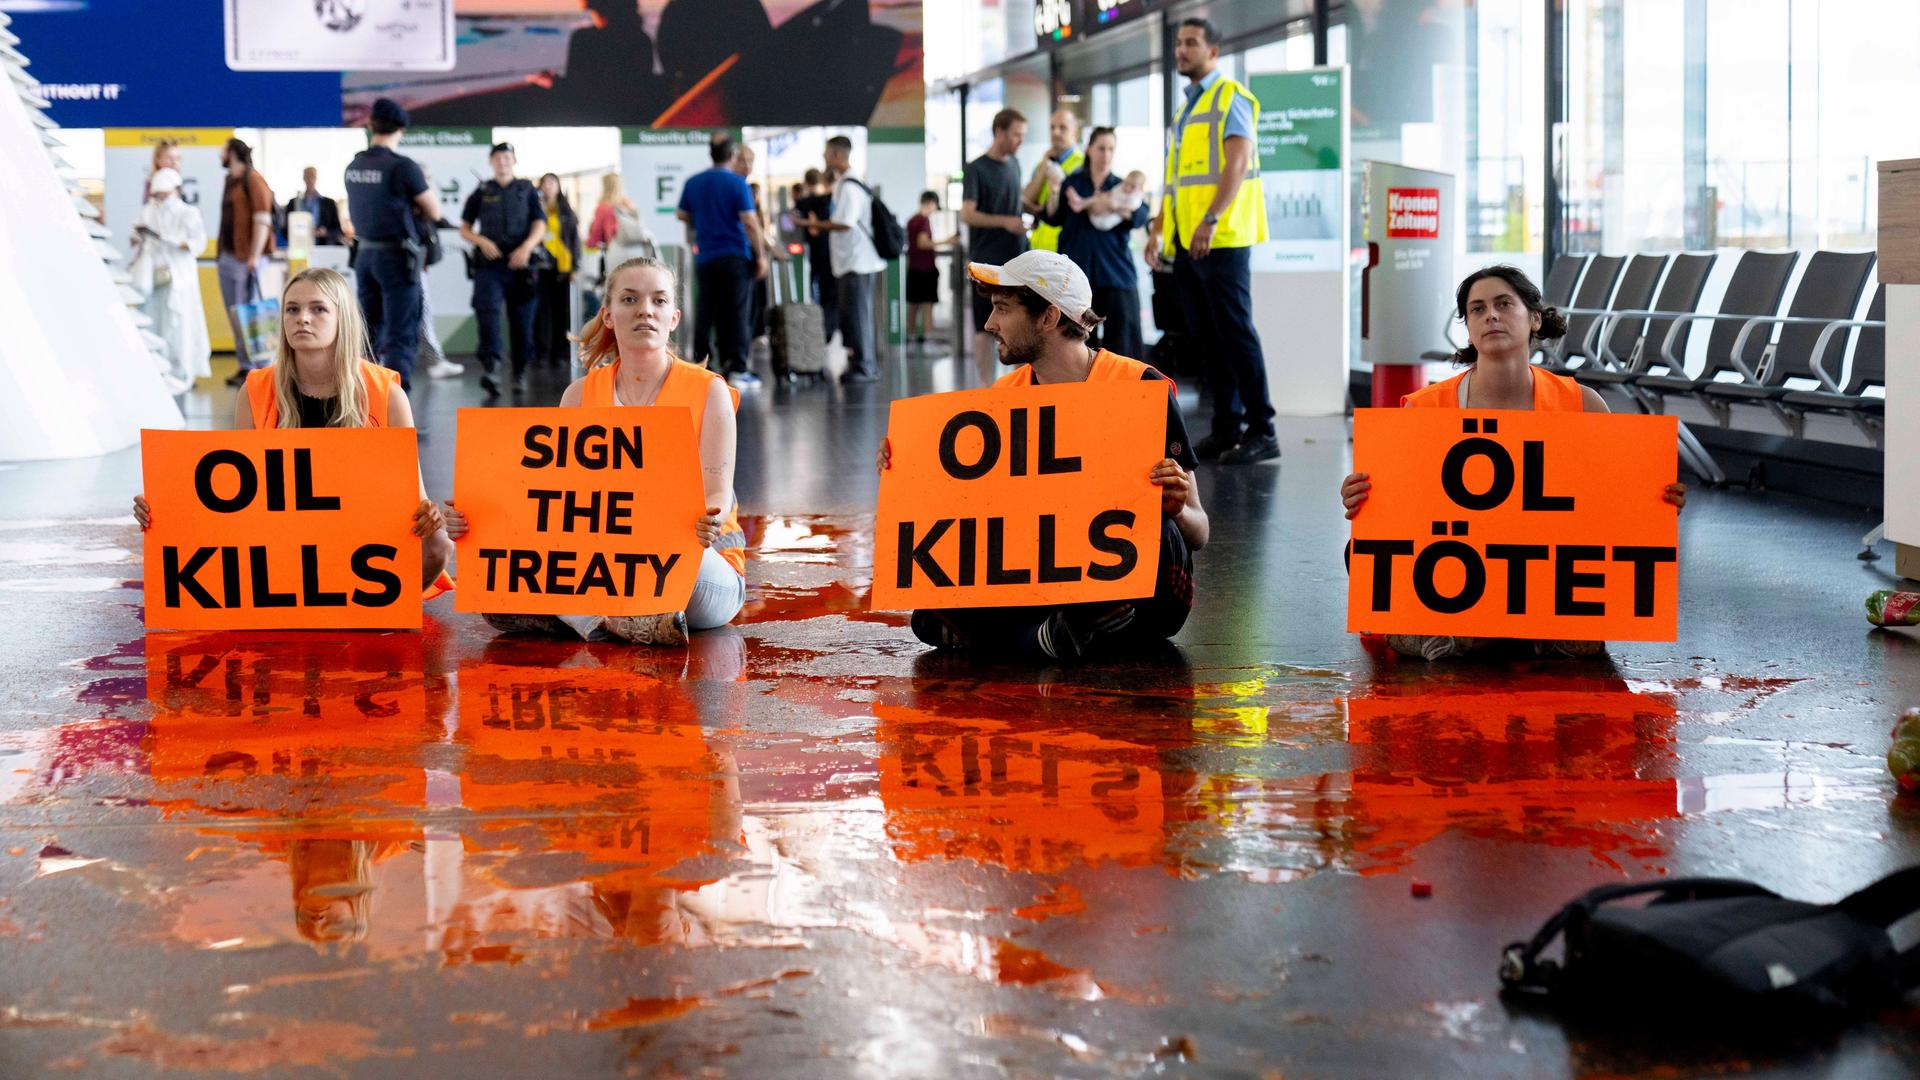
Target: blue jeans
(856,321)
(238,285)
(1216,295)
(493,286)
(390,294)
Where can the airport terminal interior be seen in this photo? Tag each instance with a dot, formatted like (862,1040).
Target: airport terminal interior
(1293,791)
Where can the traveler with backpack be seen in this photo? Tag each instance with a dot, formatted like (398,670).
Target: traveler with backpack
(863,235)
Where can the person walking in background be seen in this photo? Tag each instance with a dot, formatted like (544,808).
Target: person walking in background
(1212,212)
(1097,216)
(1062,158)
(729,255)
(504,221)
(166,155)
(923,272)
(616,228)
(811,212)
(431,353)
(990,209)
(246,236)
(388,195)
(856,264)
(555,275)
(167,240)
(327,230)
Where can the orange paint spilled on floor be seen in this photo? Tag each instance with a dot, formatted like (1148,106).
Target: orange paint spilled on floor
(1062,899)
(640,1011)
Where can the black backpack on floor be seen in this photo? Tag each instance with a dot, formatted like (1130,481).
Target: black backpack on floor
(1707,947)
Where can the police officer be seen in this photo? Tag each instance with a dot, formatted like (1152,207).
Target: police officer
(504,222)
(387,199)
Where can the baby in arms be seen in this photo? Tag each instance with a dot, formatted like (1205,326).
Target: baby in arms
(1123,201)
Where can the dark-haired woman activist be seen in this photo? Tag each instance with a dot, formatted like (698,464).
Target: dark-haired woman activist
(1505,316)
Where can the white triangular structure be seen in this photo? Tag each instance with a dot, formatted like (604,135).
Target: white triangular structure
(77,377)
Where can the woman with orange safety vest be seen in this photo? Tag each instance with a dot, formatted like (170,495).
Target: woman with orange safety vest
(1505,317)
(320,377)
(625,349)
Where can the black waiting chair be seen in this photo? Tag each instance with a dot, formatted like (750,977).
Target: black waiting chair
(1869,371)
(1590,304)
(1829,292)
(1754,291)
(1632,336)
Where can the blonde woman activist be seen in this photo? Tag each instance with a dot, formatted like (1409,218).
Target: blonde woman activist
(624,348)
(320,377)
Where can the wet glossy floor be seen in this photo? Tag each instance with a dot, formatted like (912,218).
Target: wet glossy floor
(806,846)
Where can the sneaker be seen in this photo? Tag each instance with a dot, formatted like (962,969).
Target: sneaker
(936,630)
(549,625)
(670,629)
(1211,446)
(743,380)
(519,383)
(445,369)
(1059,640)
(1251,451)
(491,387)
(850,377)
(1431,647)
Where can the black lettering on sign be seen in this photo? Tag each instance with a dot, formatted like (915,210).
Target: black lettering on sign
(388,581)
(176,576)
(1566,579)
(1533,456)
(989,448)
(242,467)
(921,555)
(1427,563)
(1051,463)
(998,572)
(1517,556)
(590,447)
(1644,559)
(1383,553)
(1453,473)
(1126,556)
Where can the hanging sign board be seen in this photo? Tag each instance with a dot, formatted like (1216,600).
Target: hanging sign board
(340,35)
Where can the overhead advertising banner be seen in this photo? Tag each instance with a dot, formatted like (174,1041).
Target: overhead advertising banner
(1030,495)
(340,35)
(1544,525)
(149,63)
(1301,142)
(669,64)
(577,511)
(279,529)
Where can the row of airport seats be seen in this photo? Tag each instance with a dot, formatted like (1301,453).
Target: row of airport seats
(1629,321)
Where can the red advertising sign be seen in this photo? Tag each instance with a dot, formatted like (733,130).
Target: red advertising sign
(1413,213)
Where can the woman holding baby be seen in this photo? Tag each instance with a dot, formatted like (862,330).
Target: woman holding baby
(1097,213)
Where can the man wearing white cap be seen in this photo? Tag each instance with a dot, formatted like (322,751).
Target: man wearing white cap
(168,238)
(1042,313)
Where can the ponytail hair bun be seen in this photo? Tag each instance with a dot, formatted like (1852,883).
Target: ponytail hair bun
(1553,325)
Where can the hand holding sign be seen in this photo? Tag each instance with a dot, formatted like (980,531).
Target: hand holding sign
(1516,524)
(578,511)
(282,528)
(1028,495)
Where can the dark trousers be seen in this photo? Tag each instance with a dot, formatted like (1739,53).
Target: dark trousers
(1216,296)
(389,289)
(1120,308)
(1156,618)
(724,310)
(492,287)
(856,326)
(826,293)
(555,320)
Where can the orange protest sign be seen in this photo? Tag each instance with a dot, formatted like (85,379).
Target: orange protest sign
(577,511)
(1029,495)
(1515,524)
(283,528)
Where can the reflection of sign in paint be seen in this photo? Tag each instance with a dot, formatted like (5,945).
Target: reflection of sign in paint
(1530,525)
(578,511)
(295,527)
(1028,495)
(1413,213)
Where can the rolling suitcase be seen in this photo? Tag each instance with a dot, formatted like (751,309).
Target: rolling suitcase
(796,332)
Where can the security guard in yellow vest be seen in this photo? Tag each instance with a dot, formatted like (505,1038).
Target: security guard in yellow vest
(1063,157)
(1212,212)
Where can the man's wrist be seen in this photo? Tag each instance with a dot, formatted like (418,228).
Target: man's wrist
(1211,219)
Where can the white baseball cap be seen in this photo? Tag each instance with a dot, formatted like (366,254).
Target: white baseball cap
(163,180)
(1050,274)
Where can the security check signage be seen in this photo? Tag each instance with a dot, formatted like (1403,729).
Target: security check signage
(1406,290)
(1028,495)
(577,511)
(1515,524)
(281,529)
(340,35)
(1300,145)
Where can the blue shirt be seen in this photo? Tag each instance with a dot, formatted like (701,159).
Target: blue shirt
(381,186)
(1239,114)
(715,199)
(1102,253)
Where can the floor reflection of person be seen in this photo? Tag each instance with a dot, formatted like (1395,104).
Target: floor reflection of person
(1505,317)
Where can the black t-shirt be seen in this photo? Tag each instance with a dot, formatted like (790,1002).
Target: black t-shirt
(994,188)
(1179,447)
(819,245)
(314,411)
(381,187)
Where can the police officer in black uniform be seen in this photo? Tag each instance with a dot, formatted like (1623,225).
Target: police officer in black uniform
(505,223)
(389,201)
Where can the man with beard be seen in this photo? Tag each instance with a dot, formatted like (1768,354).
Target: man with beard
(1042,314)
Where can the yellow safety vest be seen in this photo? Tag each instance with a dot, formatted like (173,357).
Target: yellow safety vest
(1047,237)
(1195,156)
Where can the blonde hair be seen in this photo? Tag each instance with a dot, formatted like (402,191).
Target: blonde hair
(161,147)
(610,190)
(597,343)
(349,348)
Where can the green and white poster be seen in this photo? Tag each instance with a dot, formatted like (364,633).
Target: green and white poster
(1301,141)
